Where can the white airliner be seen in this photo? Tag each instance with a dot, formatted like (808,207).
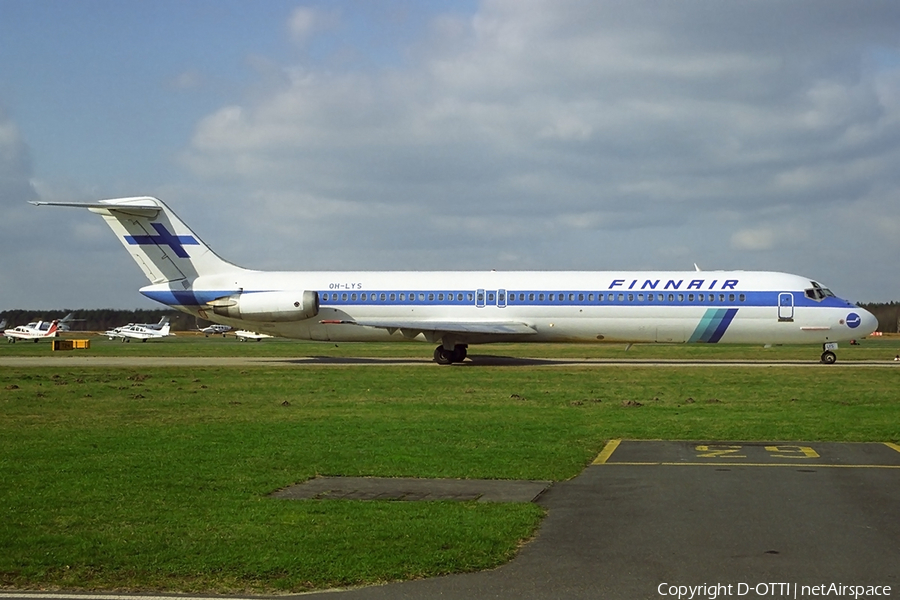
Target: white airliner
(138,332)
(36,331)
(457,308)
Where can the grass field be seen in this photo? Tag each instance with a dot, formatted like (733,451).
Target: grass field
(193,344)
(158,479)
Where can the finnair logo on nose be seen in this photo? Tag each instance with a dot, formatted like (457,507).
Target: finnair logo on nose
(853,320)
(165,238)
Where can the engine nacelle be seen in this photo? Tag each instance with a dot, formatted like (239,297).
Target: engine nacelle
(268,306)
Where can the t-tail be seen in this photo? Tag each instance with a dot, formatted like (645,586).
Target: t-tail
(185,273)
(158,241)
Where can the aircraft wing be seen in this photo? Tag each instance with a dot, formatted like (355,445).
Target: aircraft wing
(478,327)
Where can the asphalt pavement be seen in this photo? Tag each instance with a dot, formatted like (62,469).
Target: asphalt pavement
(664,519)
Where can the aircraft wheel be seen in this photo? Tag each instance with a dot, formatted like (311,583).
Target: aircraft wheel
(442,356)
(459,353)
(828,357)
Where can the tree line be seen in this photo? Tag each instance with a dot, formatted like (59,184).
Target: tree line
(888,314)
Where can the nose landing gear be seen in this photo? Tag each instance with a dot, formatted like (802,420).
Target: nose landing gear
(828,357)
(442,356)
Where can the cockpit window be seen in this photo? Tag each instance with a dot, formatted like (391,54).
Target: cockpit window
(817,292)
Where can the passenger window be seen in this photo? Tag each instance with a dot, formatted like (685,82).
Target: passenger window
(742,297)
(480,298)
(490,297)
(531,297)
(640,297)
(690,297)
(324,297)
(731,297)
(470,296)
(621,297)
(671,297)
(501,298)
(631,297)
(590,297)
(344,297)
(402,297)
(430,297)
(421,297)
(572,297)
(541,297)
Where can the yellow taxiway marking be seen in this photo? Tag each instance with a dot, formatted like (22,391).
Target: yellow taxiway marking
(607,451)
(729,451)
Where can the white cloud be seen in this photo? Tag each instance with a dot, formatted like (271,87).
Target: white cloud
(580,122)
(304,22)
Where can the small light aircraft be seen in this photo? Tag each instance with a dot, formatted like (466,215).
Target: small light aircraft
(66,321)
(243,335)
(36,331)
(454,309)
(215,329)
(157,326)
(138,332)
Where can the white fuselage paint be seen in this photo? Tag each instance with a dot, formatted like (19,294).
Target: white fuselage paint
(673,315)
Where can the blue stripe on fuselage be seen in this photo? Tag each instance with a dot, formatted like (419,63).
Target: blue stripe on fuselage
(713,325)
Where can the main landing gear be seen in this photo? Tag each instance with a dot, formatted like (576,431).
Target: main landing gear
(442,356)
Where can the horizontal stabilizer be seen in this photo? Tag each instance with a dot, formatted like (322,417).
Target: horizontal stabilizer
(138,207)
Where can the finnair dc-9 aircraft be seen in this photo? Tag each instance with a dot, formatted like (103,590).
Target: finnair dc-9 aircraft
(456,308)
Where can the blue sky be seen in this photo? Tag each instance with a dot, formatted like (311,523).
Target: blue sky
(507,134)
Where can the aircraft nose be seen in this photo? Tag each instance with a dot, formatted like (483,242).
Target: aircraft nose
(868,322)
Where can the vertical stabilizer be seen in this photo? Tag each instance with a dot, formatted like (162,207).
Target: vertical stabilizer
(158,241)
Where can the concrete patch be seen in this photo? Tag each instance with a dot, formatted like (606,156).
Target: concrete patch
(411,489)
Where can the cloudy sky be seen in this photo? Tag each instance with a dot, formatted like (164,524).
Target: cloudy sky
(463,134)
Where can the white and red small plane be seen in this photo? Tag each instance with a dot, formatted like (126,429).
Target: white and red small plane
(36,331)
(138,332)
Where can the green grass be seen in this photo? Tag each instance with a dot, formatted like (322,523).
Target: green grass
(158,479)
(191,344)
